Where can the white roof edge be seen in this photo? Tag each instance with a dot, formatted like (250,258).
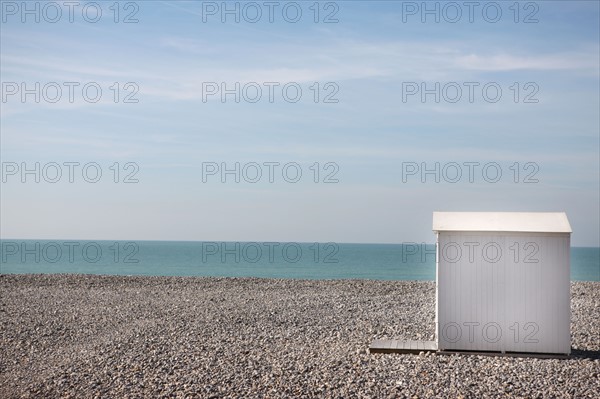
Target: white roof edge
(532,222)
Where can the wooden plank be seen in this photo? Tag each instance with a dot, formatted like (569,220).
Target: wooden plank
(430,346)
(402,346)
(378,344)
(416,347)
(506,354)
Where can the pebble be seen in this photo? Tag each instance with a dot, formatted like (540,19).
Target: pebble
(89,336)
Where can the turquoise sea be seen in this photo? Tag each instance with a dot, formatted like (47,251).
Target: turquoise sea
(408,261)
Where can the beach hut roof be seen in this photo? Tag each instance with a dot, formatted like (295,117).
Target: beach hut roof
(533,222)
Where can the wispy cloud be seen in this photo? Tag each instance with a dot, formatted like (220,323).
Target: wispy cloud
(574,61)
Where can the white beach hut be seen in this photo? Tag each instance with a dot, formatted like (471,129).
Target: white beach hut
(503,282)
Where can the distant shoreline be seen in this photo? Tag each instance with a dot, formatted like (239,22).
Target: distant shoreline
(2,273)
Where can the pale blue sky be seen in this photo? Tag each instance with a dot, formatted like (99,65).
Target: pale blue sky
(369,133)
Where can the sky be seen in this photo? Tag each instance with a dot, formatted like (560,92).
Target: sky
(339,121)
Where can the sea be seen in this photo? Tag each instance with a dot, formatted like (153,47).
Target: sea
(286,260)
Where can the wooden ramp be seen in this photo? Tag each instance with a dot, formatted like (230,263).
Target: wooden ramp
(402,346)
(507,354)
(416,347)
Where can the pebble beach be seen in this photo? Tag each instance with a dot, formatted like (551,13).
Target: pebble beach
(89,336)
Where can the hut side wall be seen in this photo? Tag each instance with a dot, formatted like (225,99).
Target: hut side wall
(503,292)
